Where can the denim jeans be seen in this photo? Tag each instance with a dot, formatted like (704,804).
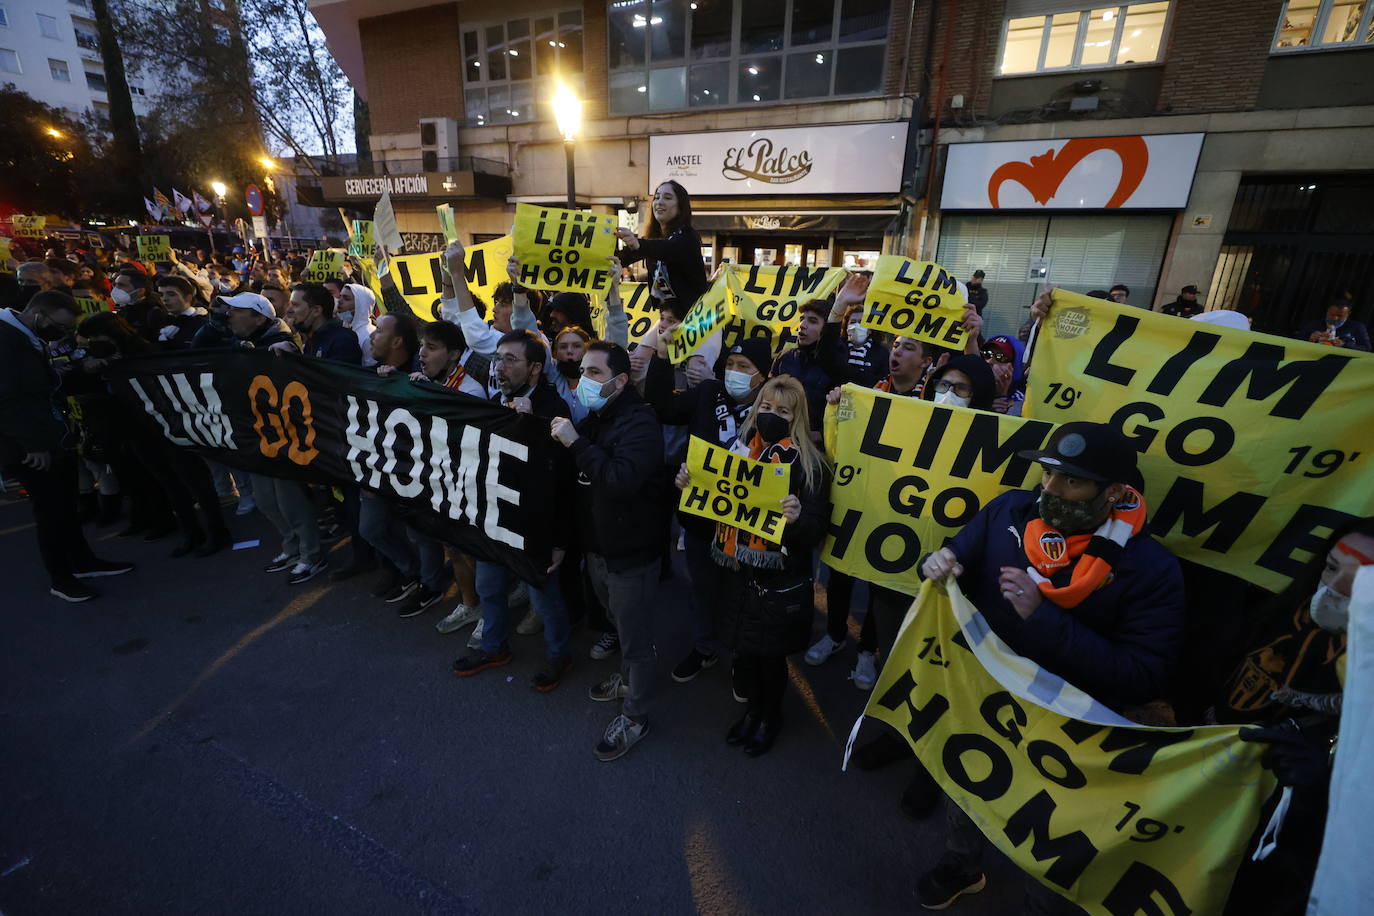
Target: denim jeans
(494,583)
(417,556)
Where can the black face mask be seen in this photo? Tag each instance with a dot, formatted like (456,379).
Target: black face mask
(570,368)
(1072,515)
(49,331)
(771,427)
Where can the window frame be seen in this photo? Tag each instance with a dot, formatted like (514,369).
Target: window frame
(66,68)
(1319,21)
(57,34)
(537,108)
(737,58)
(19,64)
(4,17)
(1084,19)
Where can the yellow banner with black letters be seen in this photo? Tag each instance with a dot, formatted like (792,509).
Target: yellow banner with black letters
(917,299)
(910,473)
(1118,818)
(324,264)
(735,489)
(1253,447)
(153,248)
(702,320)
(641,311)
(419,277)
(561,249)
(766,302)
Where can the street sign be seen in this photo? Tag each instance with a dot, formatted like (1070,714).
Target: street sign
(253,196)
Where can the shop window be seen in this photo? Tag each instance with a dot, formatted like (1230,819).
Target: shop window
(667,55)
(1111,36)
(1324,24)
(509,67)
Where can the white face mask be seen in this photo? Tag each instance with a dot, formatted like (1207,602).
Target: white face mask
(858,334)
(738,384)
(951,399)
(1330,610)
(120,296)
(344,317)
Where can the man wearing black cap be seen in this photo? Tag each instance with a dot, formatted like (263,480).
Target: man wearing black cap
(1068,577)
(977,295)
(1185,306)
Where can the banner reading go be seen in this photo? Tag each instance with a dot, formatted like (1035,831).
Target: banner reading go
(1253,447)
(766,301)
(918,299)
(735,489)
(1117,817)
(910,473)
(560,249)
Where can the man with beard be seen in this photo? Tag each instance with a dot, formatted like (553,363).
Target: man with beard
(1068,577)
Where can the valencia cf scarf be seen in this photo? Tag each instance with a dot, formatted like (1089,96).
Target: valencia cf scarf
(1092,556)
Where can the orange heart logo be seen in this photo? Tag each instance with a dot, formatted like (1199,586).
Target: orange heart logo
(1043,175)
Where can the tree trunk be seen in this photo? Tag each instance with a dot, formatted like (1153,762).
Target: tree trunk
(126,150)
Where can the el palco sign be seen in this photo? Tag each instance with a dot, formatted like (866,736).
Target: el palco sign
(834,159)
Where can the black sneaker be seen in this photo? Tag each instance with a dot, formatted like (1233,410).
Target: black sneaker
(304,572)
(692,665)
(101,568)
(72,591)
(281,562)
(945,883)
(477,661)
(422,600)
(404,589)
(550,674)
(606,646)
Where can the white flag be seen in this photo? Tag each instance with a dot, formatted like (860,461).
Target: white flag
(182,201)
(153,209)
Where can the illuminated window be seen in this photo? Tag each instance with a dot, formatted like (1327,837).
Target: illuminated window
(1324,24)
(509,67)
(1103,37)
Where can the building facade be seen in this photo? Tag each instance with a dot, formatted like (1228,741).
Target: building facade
(1220,144)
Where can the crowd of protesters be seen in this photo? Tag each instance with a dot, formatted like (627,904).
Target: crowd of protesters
(1159,639)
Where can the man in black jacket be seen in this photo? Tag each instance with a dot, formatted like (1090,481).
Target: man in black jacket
(621,498)
(520,374)
(33,439)
(311,314)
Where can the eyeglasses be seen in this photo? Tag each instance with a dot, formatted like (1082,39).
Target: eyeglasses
(996,355)
(508,359)
(944,386)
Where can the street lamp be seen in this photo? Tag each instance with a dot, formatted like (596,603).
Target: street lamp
(219,188)
(567,112)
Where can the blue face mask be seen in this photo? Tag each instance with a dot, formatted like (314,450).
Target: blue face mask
(738,384)
(589,395)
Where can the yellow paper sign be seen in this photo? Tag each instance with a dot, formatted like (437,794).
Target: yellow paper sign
(766,302)
(1116,817)
(5,255)
(641,311)
(918,299)
(709,315)
(1253,447)
(419,277)
(361,242)
(447,222)
(562,249)
(910,473)
(89,305)
(735,489)
(29,227)
(153,248)
(324,264)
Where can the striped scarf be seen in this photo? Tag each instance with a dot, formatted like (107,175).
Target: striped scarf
(1091,555)
(733,547)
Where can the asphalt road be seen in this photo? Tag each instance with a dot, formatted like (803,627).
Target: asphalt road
(205,738)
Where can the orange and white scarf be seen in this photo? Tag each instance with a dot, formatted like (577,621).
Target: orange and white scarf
(1092,555)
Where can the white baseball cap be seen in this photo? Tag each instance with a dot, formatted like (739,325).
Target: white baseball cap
(252,301)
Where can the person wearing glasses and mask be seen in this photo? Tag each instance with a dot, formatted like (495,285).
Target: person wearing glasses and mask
(963,381)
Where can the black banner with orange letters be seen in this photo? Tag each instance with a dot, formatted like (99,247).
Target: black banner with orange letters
(470,472)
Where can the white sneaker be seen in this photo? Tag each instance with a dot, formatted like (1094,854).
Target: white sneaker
(531,624)
(246,504)
(304,572)
(822,650)
(865,673)
(462,616)
(475,640)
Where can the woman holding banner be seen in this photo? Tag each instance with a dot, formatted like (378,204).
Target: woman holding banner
(671,249)
(768,606)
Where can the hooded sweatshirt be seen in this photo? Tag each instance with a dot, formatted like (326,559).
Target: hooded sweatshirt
(363,303)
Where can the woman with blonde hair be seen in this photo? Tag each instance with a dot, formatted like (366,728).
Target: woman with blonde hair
(768,606)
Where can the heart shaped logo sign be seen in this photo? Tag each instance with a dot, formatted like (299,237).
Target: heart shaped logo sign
(1044,174)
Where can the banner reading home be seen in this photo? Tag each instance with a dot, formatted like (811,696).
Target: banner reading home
(561,249)
(470,472)
(1253,447)
(735,489)
(153,248)
(419,277)
(324,264)
(918,299)
(1119,818)
(910,473)
(766,301)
